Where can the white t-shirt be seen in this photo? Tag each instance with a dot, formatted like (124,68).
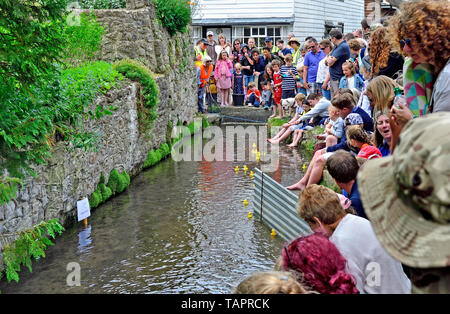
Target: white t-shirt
(376,272)
(351,82)
(322,72)
(219,49)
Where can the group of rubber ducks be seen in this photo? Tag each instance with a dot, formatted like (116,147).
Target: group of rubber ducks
(245,169)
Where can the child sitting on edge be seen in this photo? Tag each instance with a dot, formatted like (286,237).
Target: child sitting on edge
(300,86)
(350,79)
(300,129)
(277,90)
(334,130)
(266,94)
(291,126)
(253,95)
(359,142)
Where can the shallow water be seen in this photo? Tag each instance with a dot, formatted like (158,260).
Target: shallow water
(181,227)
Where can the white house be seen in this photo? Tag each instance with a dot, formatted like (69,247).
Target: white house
(242,19)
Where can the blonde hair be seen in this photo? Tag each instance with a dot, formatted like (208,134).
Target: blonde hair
(382,90)
(299,98)
(321,202)
(350,65)
(222,36)
(270,282)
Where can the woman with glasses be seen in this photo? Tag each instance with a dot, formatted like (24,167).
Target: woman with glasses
(420,31)
(237,52)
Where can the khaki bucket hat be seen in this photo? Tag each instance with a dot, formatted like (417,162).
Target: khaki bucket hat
(295,40)
(407,195)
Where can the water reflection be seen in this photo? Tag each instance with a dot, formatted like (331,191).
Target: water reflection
(179,228)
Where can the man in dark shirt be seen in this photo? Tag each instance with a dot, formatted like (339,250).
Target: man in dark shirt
(259,66)
(337,57)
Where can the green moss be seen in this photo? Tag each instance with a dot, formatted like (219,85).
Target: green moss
(127,178)
(95,199)
(151,159)
(113,182)
(137,71)
(165,150)
(122,183)
(102,179)
(105,192)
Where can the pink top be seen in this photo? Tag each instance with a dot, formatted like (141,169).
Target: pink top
(223,67)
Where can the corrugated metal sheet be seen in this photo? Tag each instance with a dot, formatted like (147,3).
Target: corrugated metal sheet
(276,207)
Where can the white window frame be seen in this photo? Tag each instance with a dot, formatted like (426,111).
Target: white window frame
(260,36)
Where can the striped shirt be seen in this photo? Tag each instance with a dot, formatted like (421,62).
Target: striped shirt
(288,81)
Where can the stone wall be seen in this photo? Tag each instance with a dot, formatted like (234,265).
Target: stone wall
(73,174)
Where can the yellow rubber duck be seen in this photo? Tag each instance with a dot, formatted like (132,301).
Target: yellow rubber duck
(250,215)
(245,168)
(236,169)
(251,174)
(273,233)
(245,202)
(304,167)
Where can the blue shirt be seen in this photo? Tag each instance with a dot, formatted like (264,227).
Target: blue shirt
(259,66)
(342,54)
(312,62)
(384,149)
(355,198)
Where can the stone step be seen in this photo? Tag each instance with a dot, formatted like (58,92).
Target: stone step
(244,115)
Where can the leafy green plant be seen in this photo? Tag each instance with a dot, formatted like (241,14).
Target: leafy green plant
(29,244)
(175,15)
(136,71)
(118,182)
(95,199)
(83,39)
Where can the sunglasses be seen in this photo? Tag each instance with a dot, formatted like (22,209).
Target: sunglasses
(311,47)
(404,42)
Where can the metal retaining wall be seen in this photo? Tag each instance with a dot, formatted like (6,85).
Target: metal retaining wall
(276,207)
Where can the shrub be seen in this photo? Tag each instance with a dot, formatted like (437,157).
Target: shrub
(83,40)
(175,15)
(113,182)
(95,199)
(105,192)
(165,150)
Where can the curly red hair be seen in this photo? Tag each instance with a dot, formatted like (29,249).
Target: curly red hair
(426,23)
(319,264)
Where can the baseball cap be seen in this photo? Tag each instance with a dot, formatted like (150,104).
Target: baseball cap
(268,39)
(369,152)
(203,40)
(210,33)
(407,195)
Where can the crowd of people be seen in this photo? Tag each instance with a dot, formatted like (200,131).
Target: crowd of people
(388,151)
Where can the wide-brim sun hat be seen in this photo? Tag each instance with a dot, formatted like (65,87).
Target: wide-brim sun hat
(406,196)
(295,40)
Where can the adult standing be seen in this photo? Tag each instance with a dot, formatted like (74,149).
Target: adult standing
(337,57)
(311,65)
(289,37)
(200,52)
(269,44)
(212,47)
(222,45)
(251,43)
(237,51)
(296,55)
(323,71)
(246,64)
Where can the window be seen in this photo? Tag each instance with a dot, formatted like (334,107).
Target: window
(197,33)
(259,33)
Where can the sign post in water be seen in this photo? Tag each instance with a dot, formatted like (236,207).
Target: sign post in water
(83,211)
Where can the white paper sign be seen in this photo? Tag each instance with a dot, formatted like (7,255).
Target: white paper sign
(83,209)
